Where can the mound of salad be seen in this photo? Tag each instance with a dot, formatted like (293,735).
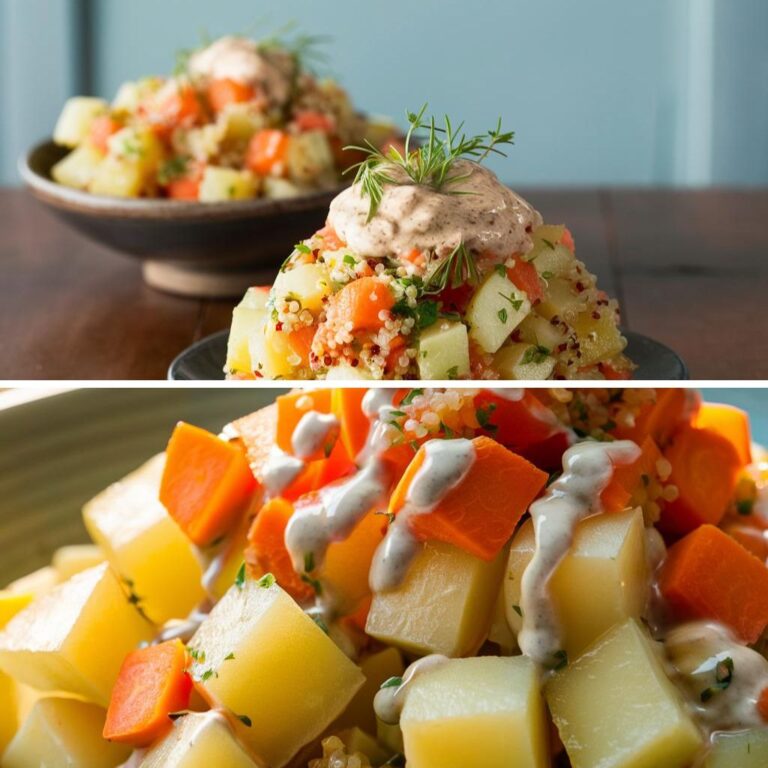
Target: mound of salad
(430,268)
(238,119)
(428,578)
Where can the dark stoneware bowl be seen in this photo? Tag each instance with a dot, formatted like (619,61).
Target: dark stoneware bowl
(197,249)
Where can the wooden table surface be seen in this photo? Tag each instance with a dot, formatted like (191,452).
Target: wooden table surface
(690,269)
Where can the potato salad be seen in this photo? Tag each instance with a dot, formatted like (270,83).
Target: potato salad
(430,578)
(430,268)
(238,119)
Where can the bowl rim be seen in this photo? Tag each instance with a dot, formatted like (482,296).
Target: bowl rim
(159,209)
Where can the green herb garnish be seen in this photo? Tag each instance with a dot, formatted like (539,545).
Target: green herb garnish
(535,354)
(266,581)
(240,578)
(456,269)
(392,682)
(723,678)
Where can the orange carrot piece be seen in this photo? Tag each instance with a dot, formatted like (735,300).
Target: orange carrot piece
(524,426)
(292,407)
(266,550)
(705,469)
(708,575)
(266,152)
(180,108)
(300,341)
(184,189)
(481,513)
(257,432)
(628,477)
(312,120)
(101,129)
(525,277)
(672,408)
(347,406)
(331,241)
(360,616)
(152,683)
(206,483)
(729,422)
(360,302)
(762,705)
(751,538)
(567,240)
(224,92)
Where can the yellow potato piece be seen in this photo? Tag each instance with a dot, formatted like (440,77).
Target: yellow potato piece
(599,339)
(742,749)
(602,581)
(75,120)
(484,711)
(615,708)
(444,605)
(377,667)
(199,740)
(260,656)
(9,710)
(64,732)
(357,740)
(75,558)
(11,603)
(144,545)
(74,638)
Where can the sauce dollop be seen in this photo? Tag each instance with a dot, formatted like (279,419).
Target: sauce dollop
(477,210)
(270,70)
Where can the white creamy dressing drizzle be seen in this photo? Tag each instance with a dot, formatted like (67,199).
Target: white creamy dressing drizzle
(244,61)
(446,463)
(313,431)
(280,470)
(486,216)
(389,702)
(574,496)
(694,651)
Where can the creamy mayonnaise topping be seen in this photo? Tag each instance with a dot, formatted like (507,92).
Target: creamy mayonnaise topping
(446,463)
(280,470)
(237,58)
(477,210)
(313,431)
(389,702)
(722,678)
(574,496)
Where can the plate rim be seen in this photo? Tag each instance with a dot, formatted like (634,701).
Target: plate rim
(179,358)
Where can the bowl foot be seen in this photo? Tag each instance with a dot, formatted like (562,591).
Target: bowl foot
(190,280)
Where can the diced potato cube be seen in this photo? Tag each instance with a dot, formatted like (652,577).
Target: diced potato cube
(75,558)
(130,95)
(138,146)
(601,582)
(598,339)
(536,329)
(551,232)
(500,632)
(281,189)
(486,711)
(145,545)
(11,603)
(74,123)
(74,638)
(377,667)
(496,309)
(308,157)
(444,351)
(271,354)
(116,177)
(246,324)
(199,740)
(221,184)
(740,749)
(524,362)
(255,297)
(615,708)
(79,167)
(37,583)
(358,741)
(561,299)
(64,732)
(259,655)
(444,605)
(345,372)
(240,122)
(308,284)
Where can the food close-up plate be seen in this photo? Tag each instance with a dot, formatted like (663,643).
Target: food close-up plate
(430,578)
(204,360)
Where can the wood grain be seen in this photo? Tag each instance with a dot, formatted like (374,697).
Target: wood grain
(689,267)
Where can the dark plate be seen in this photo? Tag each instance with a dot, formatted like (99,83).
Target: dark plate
(204,360)
(226,242)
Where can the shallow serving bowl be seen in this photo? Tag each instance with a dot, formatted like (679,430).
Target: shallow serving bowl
(58,451)
(190,248)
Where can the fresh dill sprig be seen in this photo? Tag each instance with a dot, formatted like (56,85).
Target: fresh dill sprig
(426,160)
(306,50)
(456,269)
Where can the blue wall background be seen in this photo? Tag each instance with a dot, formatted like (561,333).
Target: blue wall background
(598,91)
